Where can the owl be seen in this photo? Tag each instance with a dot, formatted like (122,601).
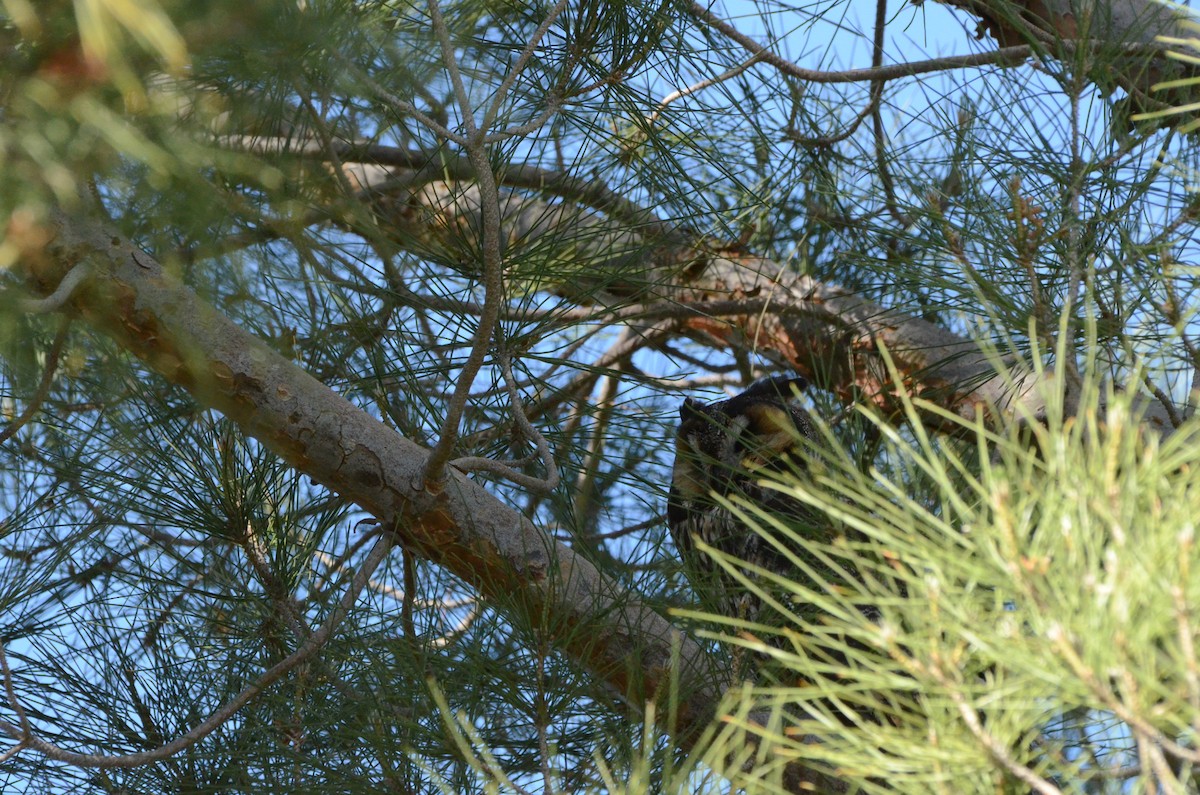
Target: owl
(728,448)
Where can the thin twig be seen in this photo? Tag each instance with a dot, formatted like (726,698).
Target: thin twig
(335,565)
(1163,399)
(404,106)
(1058,637)
(1004,55)
(545,455)
(439,456)
(276,590)
(997,749)
(653,521)
(703,84)
(10,693)
(11,752)
(501,93)
(879,136)
(553,106)
(166,539)
(434,469)
(585,483)
(450,61)
(61,294)
(821,141)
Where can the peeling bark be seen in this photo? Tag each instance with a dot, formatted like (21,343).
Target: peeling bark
(623,258)
(834,338)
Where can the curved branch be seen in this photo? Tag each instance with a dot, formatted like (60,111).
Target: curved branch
(651,270)
(380,164)
(55,301)
(1005,55)
(828,334)
(1138,36)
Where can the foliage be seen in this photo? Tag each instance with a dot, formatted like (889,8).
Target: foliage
(493,227)
(1034,622)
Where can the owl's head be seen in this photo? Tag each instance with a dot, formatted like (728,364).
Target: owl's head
(721,441)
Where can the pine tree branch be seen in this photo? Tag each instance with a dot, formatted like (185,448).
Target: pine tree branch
(837,340)
(625,256)
(463,528)
(1124,33)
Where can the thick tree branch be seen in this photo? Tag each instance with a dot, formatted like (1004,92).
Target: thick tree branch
(463,527)
(833,337)
(830,335)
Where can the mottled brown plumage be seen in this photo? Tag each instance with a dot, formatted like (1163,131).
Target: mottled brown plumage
(727,448)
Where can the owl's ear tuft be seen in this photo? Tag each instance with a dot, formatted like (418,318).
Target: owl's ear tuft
(787,386)
(799,383)
(690,408)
